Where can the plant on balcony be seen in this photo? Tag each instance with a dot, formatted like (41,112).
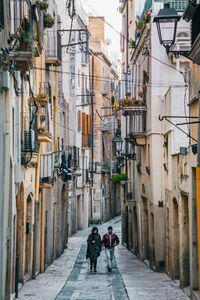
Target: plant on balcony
(48,20)
(119,177)
(106,166)
(42,5)
(147,15)
(24,39)
(42,98)
(139,27)
(132,103)
(132,44)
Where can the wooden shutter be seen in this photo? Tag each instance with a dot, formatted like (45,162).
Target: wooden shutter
(83,129)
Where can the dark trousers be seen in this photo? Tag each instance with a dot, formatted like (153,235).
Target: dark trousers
(93,262)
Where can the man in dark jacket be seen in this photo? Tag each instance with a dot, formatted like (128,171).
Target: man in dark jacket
(109,242)
(93,248)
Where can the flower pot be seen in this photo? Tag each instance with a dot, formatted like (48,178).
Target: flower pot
(139,30)
(24,46)
(42,102)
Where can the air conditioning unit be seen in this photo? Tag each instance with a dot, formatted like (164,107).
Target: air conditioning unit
(29,141)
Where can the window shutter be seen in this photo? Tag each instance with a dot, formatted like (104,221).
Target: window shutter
(83,129)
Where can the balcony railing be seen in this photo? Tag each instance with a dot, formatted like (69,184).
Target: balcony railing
(46,168)
(30,134)
(44,123)
(45,88)
(102,167)
(179,5)
(137,125)
(53,51)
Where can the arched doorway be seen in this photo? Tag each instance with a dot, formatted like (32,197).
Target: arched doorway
(28,234)
(176,239)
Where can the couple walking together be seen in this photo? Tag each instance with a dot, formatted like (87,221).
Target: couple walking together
(95,245)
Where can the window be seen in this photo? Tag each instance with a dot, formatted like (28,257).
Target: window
(1,15)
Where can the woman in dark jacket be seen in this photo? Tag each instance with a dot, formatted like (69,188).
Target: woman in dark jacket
(93,248)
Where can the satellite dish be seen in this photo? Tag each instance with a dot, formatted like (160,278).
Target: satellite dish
(108,42)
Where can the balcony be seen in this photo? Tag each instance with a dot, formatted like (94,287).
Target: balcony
(102,167)
(44,123)
(38,29)
(46,170)
(53,52)
(137,125)
(30,139)
(179,5)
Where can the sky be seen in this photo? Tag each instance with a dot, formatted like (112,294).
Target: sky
(110,9)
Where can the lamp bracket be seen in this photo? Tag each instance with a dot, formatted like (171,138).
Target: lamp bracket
(182,53)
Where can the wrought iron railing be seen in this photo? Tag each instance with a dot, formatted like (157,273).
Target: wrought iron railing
(46,167)
(45,88)
(30,134)
(179,5)
(53,47)
(44,122)
(137,120)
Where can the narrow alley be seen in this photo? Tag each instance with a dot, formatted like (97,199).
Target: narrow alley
(69,276)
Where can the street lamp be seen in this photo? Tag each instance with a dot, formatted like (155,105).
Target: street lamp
(166,22)
(118,142)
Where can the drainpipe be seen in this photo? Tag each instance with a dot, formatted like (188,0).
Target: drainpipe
(198,192)
(52,106)
(126,145)
(37,186)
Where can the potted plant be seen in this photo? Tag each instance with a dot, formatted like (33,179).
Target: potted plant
(147,15)
(132,44)
(119,177)
(139,27)
(24,39)
(42,5)
(48,20)
(42,98)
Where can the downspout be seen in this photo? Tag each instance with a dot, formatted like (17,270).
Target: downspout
(198,192)
(37,183)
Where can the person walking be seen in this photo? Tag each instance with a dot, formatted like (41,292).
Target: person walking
(93,248)
(109,242)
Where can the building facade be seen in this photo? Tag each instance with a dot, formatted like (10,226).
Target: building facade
(156,221)
(105,86)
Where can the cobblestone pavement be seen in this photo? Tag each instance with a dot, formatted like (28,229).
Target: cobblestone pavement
(69,276)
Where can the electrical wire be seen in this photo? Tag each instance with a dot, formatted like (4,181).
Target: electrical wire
(104,79)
